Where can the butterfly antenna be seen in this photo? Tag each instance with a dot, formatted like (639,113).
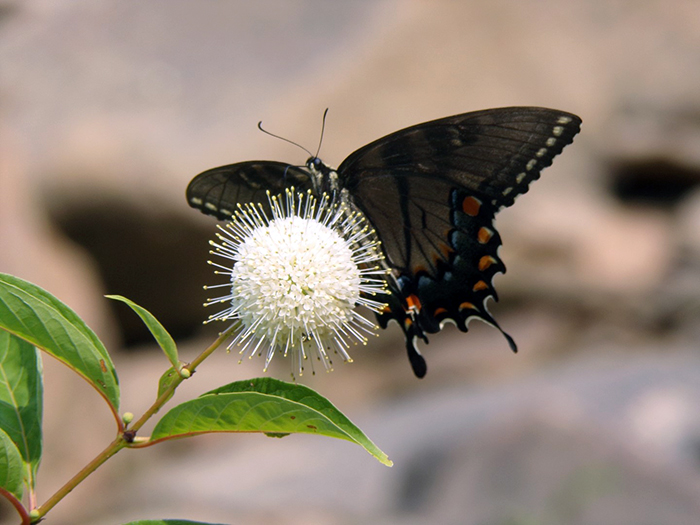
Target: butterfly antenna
(323,128)
(284,139)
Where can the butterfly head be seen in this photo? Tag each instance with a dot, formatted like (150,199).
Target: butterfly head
(324,178)
(316,165)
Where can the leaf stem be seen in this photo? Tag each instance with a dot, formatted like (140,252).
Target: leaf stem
(17,504)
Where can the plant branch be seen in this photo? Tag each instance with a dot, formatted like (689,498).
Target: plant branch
(114,447)
(168,392)
(121,441)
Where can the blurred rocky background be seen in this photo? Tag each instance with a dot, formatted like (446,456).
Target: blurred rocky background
(108,108)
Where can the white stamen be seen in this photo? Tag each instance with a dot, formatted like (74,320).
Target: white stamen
(297,277)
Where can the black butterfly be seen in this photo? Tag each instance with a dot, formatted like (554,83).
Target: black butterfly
(431,191)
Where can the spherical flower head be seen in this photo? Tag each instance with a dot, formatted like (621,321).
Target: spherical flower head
(297,277)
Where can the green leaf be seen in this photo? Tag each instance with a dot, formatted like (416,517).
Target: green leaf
(160,334)
(262,405)
(36,316)
(166,380)
(21,400)
(11,466)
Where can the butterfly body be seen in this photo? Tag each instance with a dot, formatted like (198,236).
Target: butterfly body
(431,192)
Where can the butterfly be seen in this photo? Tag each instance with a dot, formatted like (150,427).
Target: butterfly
(431,192)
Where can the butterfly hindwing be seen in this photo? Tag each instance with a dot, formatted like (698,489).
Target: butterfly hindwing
(422,303)
(218,191)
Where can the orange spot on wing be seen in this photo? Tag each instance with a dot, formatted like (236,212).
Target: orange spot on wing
(413,302)
(484,235)
(440,311)
(465,305)
(485,262)
(480,285)
(471,206)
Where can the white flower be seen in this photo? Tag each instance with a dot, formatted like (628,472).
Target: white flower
(297,277)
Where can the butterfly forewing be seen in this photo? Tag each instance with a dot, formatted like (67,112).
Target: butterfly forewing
(413,219)
(218,191)
(492,154)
